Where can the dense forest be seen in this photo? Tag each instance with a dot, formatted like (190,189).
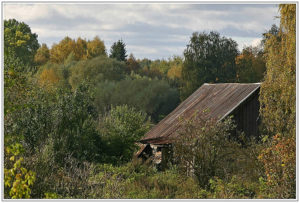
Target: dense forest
(74,113)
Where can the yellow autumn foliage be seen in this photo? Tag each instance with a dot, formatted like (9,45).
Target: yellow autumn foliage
(48,78)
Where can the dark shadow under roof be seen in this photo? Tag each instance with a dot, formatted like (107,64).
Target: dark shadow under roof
(219,100)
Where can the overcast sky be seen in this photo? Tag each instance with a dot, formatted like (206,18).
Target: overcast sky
(152,31)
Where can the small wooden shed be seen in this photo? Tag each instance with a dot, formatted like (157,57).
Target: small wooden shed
(221,100)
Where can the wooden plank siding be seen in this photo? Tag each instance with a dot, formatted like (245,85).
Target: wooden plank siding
(246,115)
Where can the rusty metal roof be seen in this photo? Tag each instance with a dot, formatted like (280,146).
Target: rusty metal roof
(218,100)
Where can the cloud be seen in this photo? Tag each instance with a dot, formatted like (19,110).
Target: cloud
(157,29)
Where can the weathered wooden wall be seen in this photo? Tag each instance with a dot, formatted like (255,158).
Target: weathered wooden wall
(247,116)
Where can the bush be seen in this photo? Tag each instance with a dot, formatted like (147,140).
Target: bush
(236,188)
(120,129)
(139,181)
(202,146)
(279,161)
(17,179)
(55,180)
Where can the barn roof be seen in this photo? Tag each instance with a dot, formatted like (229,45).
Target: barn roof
(218,100)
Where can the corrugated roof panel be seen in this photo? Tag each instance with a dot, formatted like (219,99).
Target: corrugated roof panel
(217,99)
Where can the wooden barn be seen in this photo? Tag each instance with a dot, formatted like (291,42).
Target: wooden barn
(219,100)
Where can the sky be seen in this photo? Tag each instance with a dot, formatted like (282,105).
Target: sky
(154,31)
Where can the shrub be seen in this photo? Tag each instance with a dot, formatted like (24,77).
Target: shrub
(120,129)
(139,181)
(279,161)
(17,179)
(202,146)
(236,188)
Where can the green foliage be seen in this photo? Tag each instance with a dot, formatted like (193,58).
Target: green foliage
(132,65)
(74,125)
(17,179)
(155,97)
(32,118)
(15,86)
(208,58)
(274,31)
(42,55)
(96,70)
(278,106)
(278,91)
(49,195)
(118,51)
(19,41)
(121,129)
(58,181)
(76,111)
(236,188)
(140,181)
(66,117)
(53,75)
(202,146)
(250,65)
(279,160)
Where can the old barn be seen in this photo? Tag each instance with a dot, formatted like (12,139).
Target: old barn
(219,101)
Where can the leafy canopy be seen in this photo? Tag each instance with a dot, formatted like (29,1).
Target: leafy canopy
(19,41)
(208,58)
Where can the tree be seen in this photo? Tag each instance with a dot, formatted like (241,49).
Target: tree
(80,50)
(208,58)
(278,106)
(274,31)
(132,64)
(161,65)
(278,91)
(175,71)
(19,41)
(59,52)
(42,55)
(95,48)
(118,51)
(279,161)
(49,77)
(96,70)
(152,96)
(250,65)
